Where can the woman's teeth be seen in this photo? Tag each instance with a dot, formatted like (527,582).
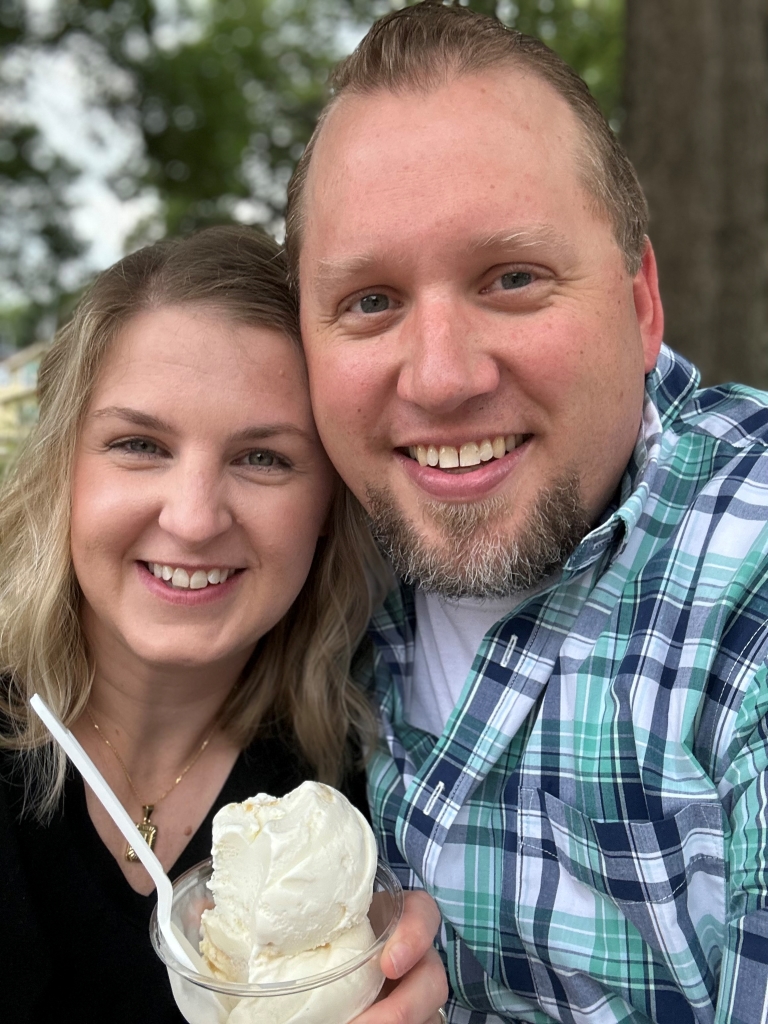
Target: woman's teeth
(180,578)
(471,454)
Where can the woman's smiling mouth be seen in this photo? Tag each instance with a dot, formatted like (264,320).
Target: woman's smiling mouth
(184,579)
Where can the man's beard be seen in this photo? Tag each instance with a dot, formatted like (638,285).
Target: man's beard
(474,556)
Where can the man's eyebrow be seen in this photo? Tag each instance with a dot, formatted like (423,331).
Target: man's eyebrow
(528,238)
(255,433)
(329,272)
(344,264)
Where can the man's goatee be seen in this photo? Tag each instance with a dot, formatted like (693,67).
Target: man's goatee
(473,556)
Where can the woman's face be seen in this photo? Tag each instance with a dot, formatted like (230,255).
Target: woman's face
(198,459)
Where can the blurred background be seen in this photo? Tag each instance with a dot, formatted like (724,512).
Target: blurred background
(124,121)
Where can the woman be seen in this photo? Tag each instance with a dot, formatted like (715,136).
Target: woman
(181,578)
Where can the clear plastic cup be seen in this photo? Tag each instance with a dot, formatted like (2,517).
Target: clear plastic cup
(333,997)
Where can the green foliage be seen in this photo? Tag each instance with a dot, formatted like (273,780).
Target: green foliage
(226,117)
(221,96)
(588,34)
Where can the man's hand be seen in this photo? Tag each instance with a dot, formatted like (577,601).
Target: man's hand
(417,985)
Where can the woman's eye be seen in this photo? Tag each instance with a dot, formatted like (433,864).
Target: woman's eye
(137,446)
(140,445)
(374,303)
(266,460)
(515,279)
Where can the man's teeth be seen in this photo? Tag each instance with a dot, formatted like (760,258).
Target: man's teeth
(180,578)
(470,454)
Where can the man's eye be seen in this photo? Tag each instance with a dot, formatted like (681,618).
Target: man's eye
(375,303)
(515,279)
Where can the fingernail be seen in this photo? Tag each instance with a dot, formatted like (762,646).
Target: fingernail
(400,956)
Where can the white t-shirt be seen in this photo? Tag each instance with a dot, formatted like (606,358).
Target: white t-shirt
(448,635)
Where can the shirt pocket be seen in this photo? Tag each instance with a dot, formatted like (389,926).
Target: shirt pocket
(620,894)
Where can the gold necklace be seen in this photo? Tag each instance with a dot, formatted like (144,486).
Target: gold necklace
(147,828)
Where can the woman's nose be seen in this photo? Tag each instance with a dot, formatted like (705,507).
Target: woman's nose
(195,508)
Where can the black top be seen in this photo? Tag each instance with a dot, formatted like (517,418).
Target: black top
(74,936)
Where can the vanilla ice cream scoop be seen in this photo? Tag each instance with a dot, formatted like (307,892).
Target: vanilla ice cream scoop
(330,1004)
(290,875)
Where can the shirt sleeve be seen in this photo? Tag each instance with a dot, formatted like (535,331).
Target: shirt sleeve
(743,993)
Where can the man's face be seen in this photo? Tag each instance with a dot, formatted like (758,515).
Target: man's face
(464,304)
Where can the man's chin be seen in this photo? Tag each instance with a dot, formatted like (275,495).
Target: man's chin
(476,549)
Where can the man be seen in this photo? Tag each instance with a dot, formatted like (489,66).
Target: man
(572,676)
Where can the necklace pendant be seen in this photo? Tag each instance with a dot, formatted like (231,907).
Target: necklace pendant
(148,833)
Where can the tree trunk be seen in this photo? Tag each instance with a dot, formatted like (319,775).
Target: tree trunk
(696,97)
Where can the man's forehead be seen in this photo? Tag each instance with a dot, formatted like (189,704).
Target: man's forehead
(508,90)
(365,132)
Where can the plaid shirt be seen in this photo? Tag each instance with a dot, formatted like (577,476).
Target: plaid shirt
(593,821)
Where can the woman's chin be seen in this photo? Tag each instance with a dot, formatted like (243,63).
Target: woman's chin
(192,656)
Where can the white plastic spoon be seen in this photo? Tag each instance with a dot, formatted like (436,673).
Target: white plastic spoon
(122,819)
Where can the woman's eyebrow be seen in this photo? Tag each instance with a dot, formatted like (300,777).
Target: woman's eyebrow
(141,419)
(260,433)
(149,422)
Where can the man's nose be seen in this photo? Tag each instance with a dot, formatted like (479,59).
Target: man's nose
(445,363)
(195,507)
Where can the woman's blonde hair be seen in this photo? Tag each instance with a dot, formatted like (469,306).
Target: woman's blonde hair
(298,678)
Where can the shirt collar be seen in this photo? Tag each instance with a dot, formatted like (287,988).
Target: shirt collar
(670,384)
(667,388)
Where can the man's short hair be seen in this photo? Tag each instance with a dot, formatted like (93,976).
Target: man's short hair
(422,47)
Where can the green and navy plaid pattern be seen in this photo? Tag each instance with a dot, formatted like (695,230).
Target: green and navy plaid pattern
(593,822)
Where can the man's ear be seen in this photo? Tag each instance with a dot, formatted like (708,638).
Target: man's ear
(650,315)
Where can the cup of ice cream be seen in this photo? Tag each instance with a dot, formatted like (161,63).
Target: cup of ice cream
(289,917)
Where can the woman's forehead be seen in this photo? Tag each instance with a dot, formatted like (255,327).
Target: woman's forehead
(199,357)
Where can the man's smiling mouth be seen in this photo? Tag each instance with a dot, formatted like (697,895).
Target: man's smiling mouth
(467,457)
